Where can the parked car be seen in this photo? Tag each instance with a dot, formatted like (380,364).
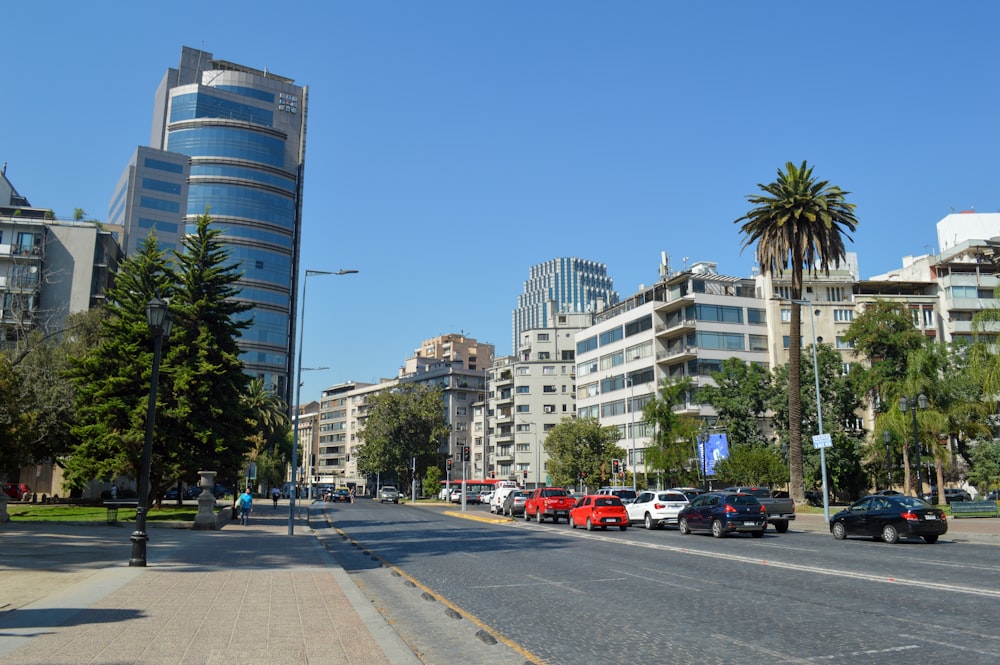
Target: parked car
(889,518)
(656,509)
(626,494)
(599,510)
(343,495)
(689,492)
(721,513)
(513,504)
(551,502)
(498,499)
(780,509)
(192,492)
(470,496)
(888,493)
(951,495)
(388,493)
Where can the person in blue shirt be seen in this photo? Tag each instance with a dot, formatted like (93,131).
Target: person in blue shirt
(245,505)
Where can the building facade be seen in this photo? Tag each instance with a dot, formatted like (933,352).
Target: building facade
(229,139)
(574,285)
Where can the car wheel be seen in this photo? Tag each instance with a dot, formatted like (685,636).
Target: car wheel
(930,540)
(648,522)
(572,524)
(890,534)
(682,526)
(718,530)
(590,525)
(539,517)
(622,527)
(527,518)
(757,534)
(839,531)
(781,527)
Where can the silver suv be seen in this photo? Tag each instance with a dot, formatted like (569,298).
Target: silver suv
(388,493)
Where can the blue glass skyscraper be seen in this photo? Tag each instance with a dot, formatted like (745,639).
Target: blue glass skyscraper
(574,285)
(242,132)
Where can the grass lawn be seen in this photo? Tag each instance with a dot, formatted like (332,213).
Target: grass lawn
(37,512)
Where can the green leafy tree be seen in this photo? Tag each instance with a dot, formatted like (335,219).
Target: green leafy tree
(884,336)
(112,378)
(985,470)
(268,417)
(840,408)
(404,423)
(15,423)
(671,450)
(204,398)
(797,223)
(752,465)
(432,480)
(740,397)
(581,445)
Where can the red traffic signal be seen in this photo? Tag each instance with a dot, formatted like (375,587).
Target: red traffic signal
(450,462)
(526,474)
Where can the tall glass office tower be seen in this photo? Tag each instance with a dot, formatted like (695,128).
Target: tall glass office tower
(242,132)
(574,285)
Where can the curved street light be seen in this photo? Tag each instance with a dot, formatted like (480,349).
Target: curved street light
(298,392)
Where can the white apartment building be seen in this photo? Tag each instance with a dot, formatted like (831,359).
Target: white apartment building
(529,394)
(683,326)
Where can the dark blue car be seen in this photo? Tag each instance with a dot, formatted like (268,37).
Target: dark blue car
(722,513)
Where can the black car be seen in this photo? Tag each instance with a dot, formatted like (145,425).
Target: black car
(890,518)
(343,495)
(951,495)
(721,513)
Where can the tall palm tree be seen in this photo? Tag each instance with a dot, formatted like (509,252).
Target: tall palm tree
(798,224)
(268,414)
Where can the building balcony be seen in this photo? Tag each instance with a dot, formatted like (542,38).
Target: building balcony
(677,354)
(676,328)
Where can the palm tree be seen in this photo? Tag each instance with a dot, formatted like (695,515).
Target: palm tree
(798,223)
(268,414)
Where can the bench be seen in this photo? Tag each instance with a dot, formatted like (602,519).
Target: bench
(113,507)
(974,509)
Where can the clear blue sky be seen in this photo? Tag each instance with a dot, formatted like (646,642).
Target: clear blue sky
(453,144)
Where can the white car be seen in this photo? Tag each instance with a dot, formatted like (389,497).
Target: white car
(654,509)
(499,496)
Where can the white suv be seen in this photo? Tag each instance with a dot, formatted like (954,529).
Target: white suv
(655,509)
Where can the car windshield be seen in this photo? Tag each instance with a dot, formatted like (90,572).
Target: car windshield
(554,492)
(675,496)
(742,500)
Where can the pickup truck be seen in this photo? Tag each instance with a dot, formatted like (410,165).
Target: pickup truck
(779,511)
(553,502)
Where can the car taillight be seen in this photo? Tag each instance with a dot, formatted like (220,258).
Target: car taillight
(658,506)
(762,508)
(729,509)
(910,516)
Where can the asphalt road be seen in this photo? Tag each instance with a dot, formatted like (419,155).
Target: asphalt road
(552,594)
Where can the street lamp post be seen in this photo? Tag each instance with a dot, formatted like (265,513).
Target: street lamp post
(911,404)
(160,322)
(703,449)
(631,408)
(819,409)
(298,393)
(888,457)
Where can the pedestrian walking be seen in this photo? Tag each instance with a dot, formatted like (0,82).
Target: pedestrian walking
(352,495)
(275,493)
(245,506)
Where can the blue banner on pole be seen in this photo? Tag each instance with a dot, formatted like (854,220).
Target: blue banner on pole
(711,451)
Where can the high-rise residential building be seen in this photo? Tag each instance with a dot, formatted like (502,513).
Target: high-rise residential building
(574,285)
(229,139)
(529,394)
(683,326)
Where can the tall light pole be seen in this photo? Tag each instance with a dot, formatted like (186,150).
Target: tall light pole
(298,392)
(160,322)
(819,409)
(631,407)
(888,457)
(911,404)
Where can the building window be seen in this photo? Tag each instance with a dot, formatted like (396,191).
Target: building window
(523,371)
(843,315)
(585,345)
(843,343)
(543,337)
(758,342)
(523,390)
(523,408)
(610,336)
(835,294)
(756,317)
(549,370)
(786,315)
(548,389)
(616,408)
(544,355)
(637,326)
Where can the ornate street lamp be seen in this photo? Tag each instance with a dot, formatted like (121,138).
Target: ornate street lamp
(160,322)
(911,404)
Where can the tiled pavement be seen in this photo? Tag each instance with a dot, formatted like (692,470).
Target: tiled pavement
(242,595)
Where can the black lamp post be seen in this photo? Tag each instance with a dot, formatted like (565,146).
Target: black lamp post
(160,322)
(888,457)
(911,404)
(703,444)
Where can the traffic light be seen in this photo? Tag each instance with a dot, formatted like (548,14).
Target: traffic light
(615,464)
(450,462)
(466,454)
(525,474)
(493,474)
(583,475)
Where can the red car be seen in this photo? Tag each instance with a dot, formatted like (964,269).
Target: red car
(16,490)
(595,510)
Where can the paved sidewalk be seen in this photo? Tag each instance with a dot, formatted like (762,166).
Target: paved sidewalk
(241,595)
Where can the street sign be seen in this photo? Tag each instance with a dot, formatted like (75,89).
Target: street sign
(822,441)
